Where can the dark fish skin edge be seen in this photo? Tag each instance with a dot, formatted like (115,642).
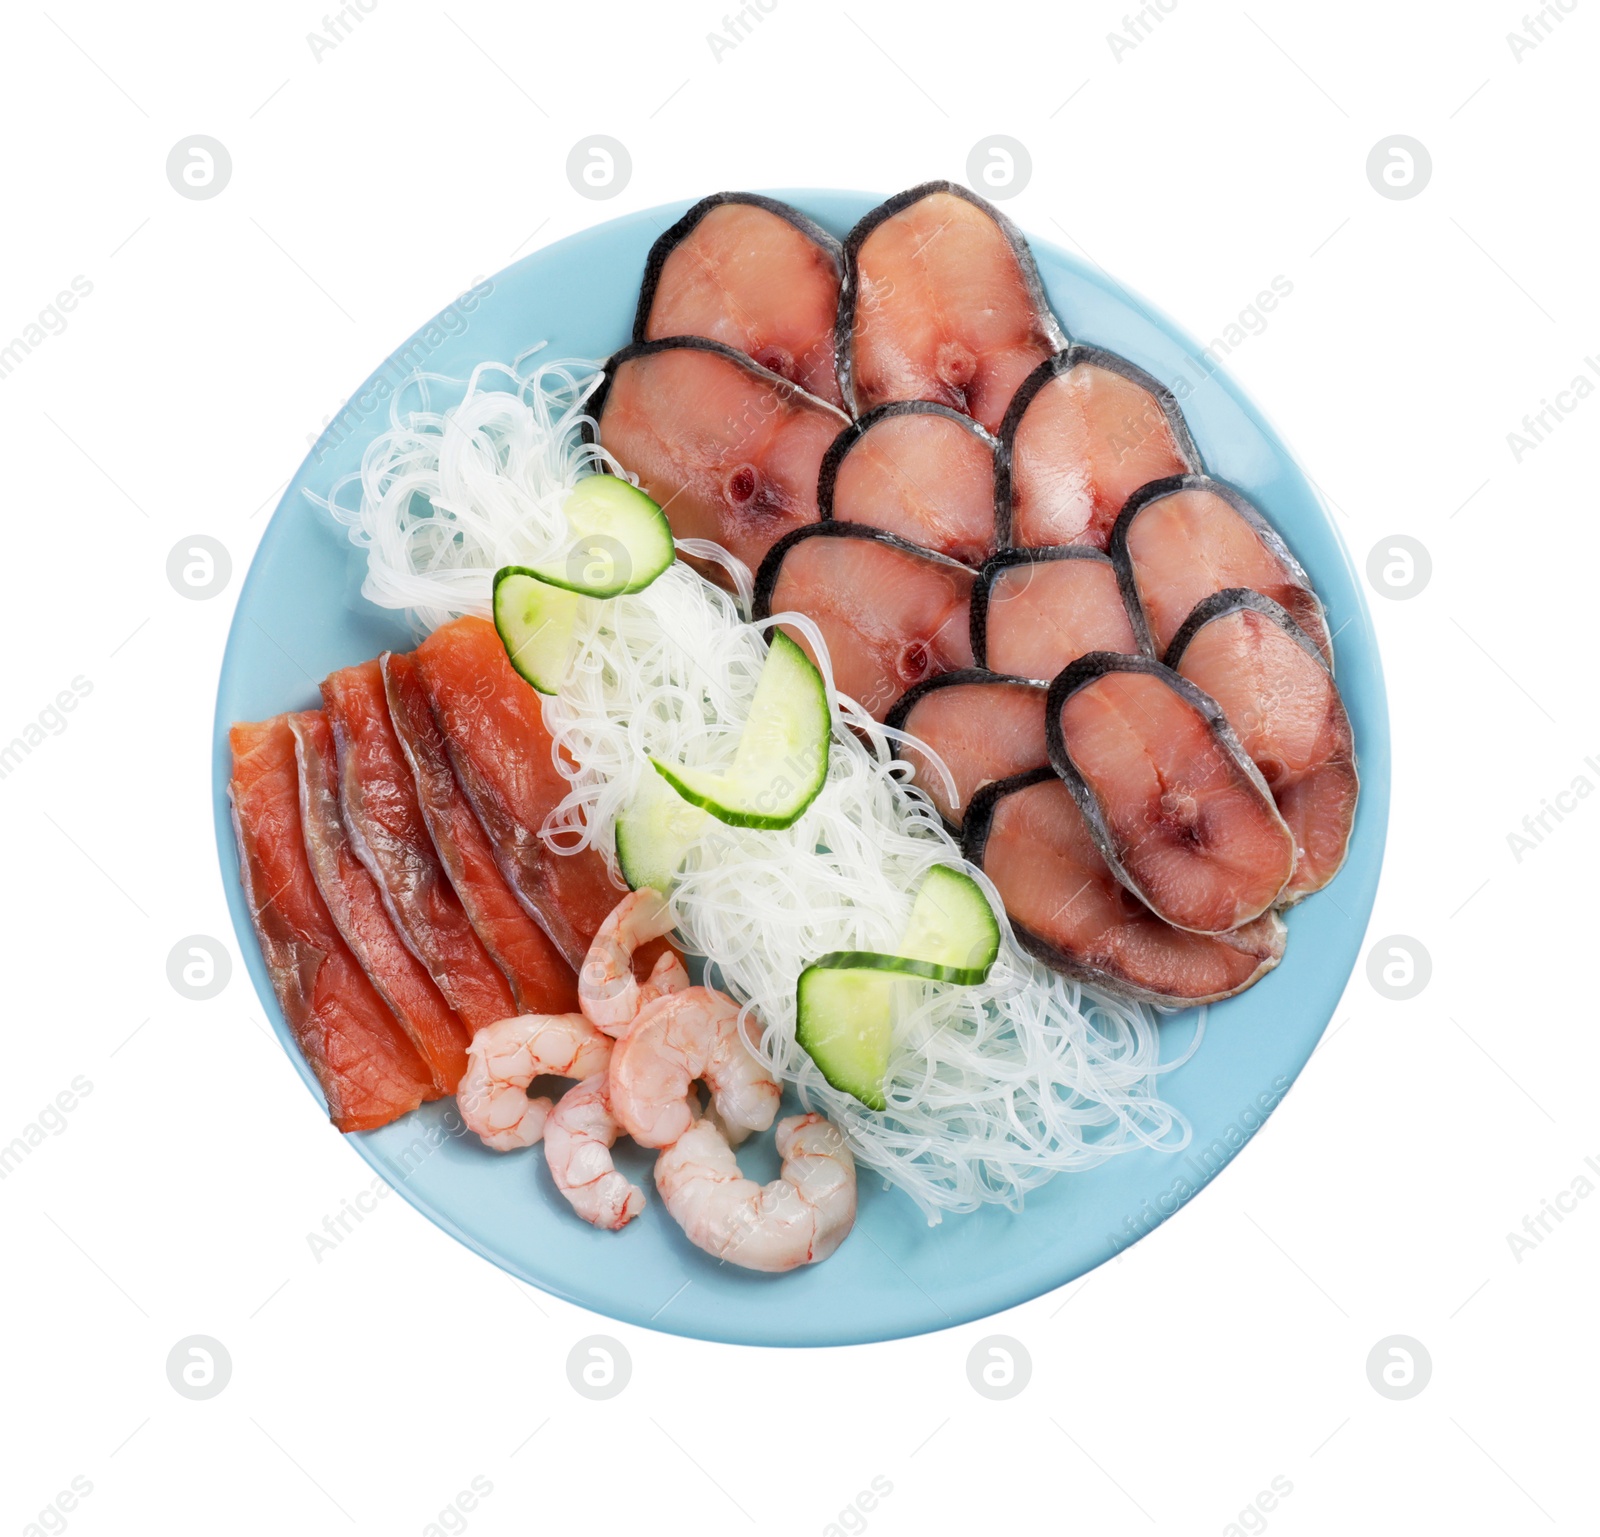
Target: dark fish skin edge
(896,718)
(597,401)
(1096,665)
(1229,601)
(1154,491)
(845,324)
(858,429)
(1053,368)
(978,615)
(767,576)
(980,810)
(669,242)
(975,839)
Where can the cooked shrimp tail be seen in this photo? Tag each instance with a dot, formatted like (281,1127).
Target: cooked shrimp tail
(577,1147)
(505,1057)
(608,992)
(668,975)
(798,1219)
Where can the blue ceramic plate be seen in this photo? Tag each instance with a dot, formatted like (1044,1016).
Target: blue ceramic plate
(299,617)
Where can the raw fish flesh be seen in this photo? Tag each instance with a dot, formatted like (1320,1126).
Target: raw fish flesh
(941,302)
(982,726)
(922,471)
(892,614)
(1269,678)
(540,977)
(754,274)
(1068,909)
(1177,809)
(369,1071)
(1085,431)
(1034,611)
(504,759)
(356,903)
(378,797)
(730,451)
(1182,539)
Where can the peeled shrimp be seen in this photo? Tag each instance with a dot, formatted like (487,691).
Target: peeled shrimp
(505,1057)
(681,1037)
(608,993)
(577,1147)
(668,975)
(798,1219)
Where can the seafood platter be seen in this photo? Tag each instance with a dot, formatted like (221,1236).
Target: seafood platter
(841,746)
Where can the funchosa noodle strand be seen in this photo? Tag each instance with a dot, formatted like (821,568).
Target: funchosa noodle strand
(992,1089)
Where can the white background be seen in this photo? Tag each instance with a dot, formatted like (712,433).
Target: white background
(1167,1389)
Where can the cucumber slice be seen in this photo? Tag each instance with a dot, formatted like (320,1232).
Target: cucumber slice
(952,935)
(845,1024)
(782,758)
(621,541)
(845,1000)
(654,832)
(535,621)
(953,932)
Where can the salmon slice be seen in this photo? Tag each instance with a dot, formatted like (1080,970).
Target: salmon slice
(1085,431)
(378,799)
(1179,812)
(369,1071)
(919,470)
(356,903)
(1186,537)
(1069,910)
(982,726)
(541,979)
(1034,611)
(504,759)
(730,450)
(891,613)
(941,302)
(754,274)
(1263,669)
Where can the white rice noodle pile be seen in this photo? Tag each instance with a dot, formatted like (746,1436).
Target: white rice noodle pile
(992,1089)
(448,496)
